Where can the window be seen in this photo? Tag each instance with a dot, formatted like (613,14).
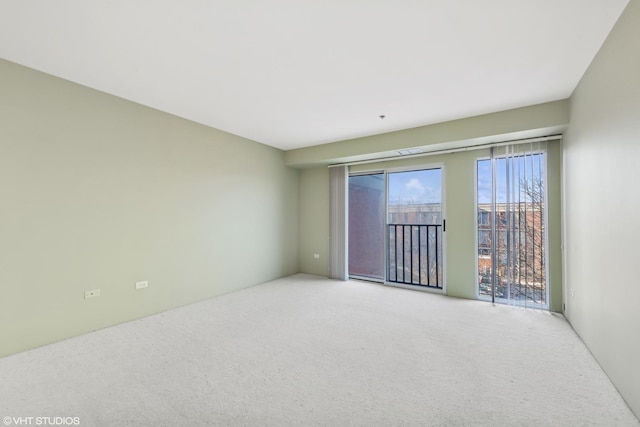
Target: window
(511,197)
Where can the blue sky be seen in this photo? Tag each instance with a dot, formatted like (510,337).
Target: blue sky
(484,176)
(423,186)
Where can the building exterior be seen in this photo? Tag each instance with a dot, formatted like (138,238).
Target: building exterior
(520,251)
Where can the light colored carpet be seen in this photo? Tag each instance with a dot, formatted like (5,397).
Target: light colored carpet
(305,350)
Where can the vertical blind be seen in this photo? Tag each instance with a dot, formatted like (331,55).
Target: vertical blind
(517,234)
(518,225)
(338,228)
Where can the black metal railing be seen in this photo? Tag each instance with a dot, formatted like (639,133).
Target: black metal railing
(414,254)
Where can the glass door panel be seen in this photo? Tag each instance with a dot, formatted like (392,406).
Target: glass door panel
(511,225)
(366,226)
(415,227)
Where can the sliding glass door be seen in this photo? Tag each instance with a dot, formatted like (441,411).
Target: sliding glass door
(511,225)
(396,227)
(366,226)
(414,228)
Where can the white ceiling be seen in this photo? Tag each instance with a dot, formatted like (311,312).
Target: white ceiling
(295,73)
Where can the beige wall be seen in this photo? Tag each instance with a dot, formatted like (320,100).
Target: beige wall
(602,208)
(98,192)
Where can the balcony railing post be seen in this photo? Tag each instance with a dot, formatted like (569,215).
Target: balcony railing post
(423,246)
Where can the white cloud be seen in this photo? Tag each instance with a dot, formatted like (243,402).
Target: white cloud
(415,184)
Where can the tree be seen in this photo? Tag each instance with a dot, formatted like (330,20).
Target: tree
(520,245)
(520,248)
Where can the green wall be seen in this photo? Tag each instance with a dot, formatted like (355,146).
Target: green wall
(602,207)
(460,213)
(459,205)
(314,221)
(527,122)
(99,193)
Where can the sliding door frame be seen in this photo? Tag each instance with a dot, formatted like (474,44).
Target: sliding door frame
(382,226)
(545,218)
(443,260)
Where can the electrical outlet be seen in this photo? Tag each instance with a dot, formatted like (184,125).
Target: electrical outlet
(142,285)
(316,256)
(92,293)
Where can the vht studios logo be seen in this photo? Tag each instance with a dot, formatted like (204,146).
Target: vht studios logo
(41,421)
